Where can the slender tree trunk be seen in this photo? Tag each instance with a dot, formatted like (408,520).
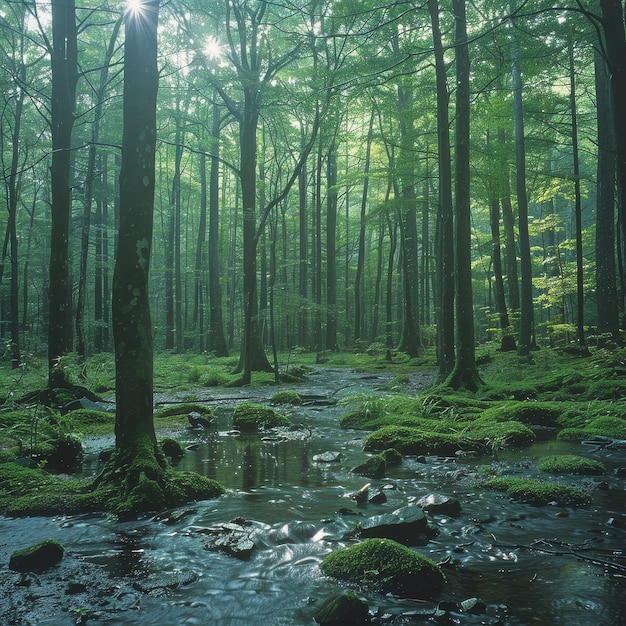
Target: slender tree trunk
(393,239)
(358,279)
(331,252)
(64,62)
(216,339)
(445,230)
(526,325)
(303,249)
(197,323)
(465,373)
(606,286)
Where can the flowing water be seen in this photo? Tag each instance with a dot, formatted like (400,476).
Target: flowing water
(530,565)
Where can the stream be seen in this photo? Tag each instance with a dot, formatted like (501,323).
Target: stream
(530,565)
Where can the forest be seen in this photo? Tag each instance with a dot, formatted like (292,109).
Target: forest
(329,175)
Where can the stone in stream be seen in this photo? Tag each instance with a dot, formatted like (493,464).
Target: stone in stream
(327,457)
(439,504)
(197,422)
(343,609)
(404,525)
(233,537)
(38,557)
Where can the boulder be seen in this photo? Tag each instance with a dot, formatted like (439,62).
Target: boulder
(404,525)
(327,457)
(440,504)
(374,467)
(344,609)
(234,538)
(38,557)
(386,566)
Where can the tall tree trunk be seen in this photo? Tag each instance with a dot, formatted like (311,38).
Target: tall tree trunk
(132,328)
(197,323)
(64,63)
(331,248)
(393,238)
(580,293)
(216,339)
(526,326)
(358,279)
(445,228)
(303,249)
(606,285)
(465,373)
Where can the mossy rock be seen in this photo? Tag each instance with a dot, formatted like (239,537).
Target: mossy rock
(392,457)
(407,440)
(370,415)
(345,609)
(183,408)
(92,422)
(572,434)
(535,413)
(605,426)
(38,557)
(498,434)
(572,464)
(538,492)
(250,417)
(386,566)
(172,448)
(374,467)
(288,396)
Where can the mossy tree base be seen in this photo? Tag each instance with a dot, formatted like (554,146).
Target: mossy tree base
(138,479)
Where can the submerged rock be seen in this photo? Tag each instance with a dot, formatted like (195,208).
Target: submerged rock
(440,504)
(327,457)
(344,609)
(40,556)
(404,525)
(234,538)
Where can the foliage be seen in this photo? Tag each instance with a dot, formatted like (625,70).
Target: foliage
(386,566)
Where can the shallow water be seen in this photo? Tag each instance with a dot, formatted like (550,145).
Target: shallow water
(294,503)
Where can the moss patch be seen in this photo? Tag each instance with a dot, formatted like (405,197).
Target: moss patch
(572,464)
(538,492)
(250,417)
(288,396)
(387,566)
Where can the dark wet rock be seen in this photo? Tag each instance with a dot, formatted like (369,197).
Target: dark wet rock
(165,580)
(404,525)
(88,403)
(197,422)
(361,496)
(172,449)
(617,522)
(234,538)
(173,517)
(38,557)
(474,606)
(75,587)
(440,504)
(392,457)
(327,457)
(421,459)
(374,467)
(378,498)
(620,472)
(347,608)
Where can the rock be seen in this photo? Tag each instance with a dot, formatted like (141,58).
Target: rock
(360,496)
(38,557)
(403,525)
(475,606)
(346,608)
(197,422)
(374,467)
(233,537)
(386,566)
(327,457)
(440,504)
(172,448)
(86,403)
(378,498)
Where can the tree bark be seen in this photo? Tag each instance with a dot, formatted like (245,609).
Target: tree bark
(64,63)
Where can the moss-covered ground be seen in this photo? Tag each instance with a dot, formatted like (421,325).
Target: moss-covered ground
(564,395)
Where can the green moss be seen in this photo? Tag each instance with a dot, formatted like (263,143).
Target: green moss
(250,417)
(387,566)
(374,467)
(536,413)
(288,396)
(90,422)
(572,434)
(538,492)
(572,464)
(494,434)
(38,557)
(605,426)
(172,448)
(391,456)
(408,440)
(183,409)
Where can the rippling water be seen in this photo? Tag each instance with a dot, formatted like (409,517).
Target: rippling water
(294,501)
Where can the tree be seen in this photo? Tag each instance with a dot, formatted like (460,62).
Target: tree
(64,62)
(465,374)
